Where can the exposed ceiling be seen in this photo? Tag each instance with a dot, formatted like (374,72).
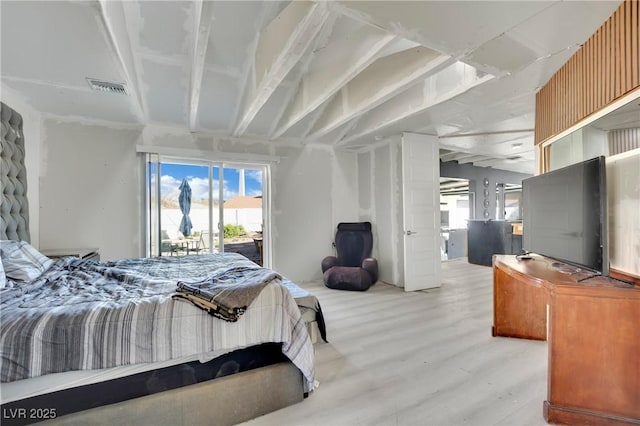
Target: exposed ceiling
(341,73)
(625,117)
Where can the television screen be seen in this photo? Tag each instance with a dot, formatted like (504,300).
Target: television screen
(565,215)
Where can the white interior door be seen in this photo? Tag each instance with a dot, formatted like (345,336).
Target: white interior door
(421,211)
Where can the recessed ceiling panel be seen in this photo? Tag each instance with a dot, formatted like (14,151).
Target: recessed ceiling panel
(519,123)
(565,24)
(166,92)
(266,118)
(233,30)
(76,103)
(516,147)
(470,118)
(343,27)
(625,117)
(490,144)
(167,27)
(525,81)
(501,55)
(218,101)
(450,27)
(56,42)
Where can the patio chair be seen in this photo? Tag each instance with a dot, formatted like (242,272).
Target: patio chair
(194,244)
(166,246)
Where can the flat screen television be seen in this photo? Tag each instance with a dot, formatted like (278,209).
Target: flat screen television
(565,215)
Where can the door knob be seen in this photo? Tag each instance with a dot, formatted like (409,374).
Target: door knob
(410,232)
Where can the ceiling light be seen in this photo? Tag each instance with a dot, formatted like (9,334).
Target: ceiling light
(106,86)
(516,145)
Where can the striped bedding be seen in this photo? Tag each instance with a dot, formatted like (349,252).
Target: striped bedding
(87,315)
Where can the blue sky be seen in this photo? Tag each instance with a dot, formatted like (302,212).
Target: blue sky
(172,175)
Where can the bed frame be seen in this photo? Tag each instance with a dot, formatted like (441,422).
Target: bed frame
(222,401)
(225,401)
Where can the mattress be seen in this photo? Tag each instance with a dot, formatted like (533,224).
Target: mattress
(21,389)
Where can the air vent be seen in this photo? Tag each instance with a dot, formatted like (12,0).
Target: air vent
(514,158)
(108,87)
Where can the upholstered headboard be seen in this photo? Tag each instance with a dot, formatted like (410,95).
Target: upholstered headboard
(14,206)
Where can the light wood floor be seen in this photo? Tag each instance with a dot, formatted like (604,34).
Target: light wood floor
(422,358)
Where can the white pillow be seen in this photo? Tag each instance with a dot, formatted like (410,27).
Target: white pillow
(21,261)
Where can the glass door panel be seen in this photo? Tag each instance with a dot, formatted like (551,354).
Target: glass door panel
(243,214)
(214,243)
(184,208)
(204,208)
(151,201)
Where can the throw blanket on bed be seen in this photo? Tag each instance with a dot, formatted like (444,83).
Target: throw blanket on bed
(86,315)
(227,294)
(192,268)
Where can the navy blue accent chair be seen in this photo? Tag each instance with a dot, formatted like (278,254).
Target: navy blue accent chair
(352,268)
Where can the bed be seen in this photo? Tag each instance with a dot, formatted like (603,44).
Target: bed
(110,343)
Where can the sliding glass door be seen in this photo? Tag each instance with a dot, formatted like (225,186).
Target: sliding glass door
(199,207)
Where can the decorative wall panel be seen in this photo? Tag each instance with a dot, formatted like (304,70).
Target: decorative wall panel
(603,70)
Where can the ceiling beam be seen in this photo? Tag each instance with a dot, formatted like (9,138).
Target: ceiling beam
(454,155)
(203,20)
(497,132)
(353,53)
(443,86)
(474,158)
(488,162)
(446,183)
(113,19)
(281,45)
(382,80)
(321,40)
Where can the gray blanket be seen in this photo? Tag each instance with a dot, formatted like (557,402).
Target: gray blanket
(227,294)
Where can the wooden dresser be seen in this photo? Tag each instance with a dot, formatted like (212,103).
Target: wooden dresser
(592,325)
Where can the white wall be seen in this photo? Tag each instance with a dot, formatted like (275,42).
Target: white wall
(458,216)
(250,219)
(380,182)
(31,127)
(314,188)
(91,193)
(623,197)
(90,189)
